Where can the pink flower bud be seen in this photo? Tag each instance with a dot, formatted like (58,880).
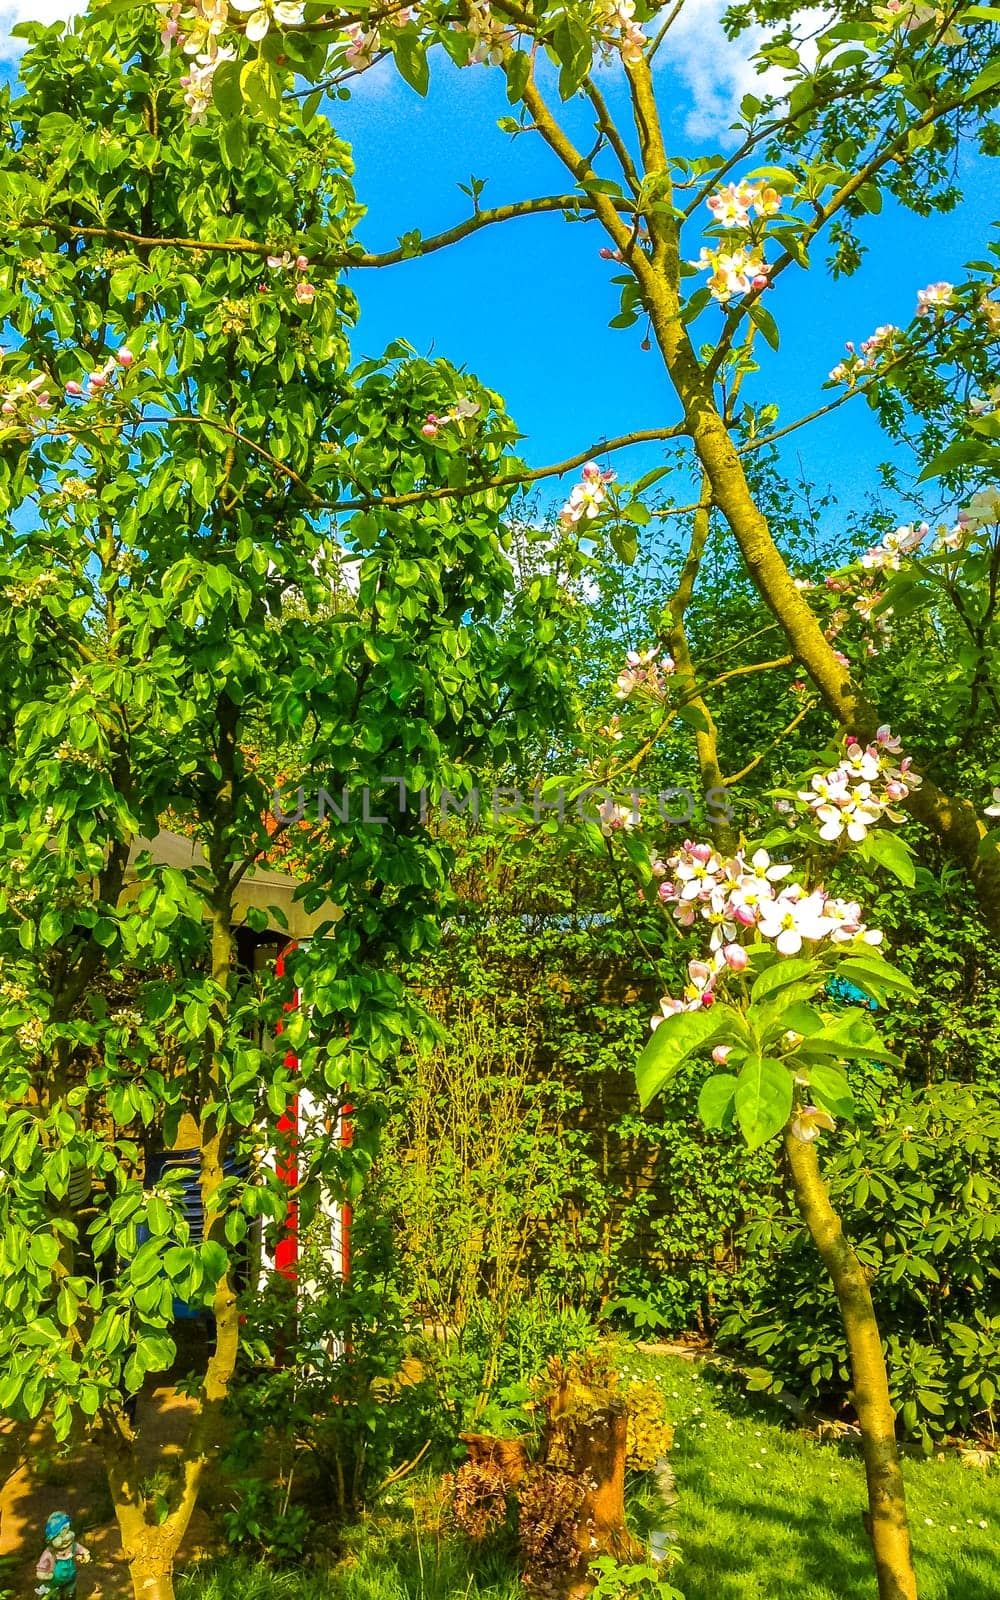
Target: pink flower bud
(760,282)
(8,408)
(606,254)
(97,380)
(429,430)
(736,957)
(125,356)
(73,387)
(721,1054)
(301,263)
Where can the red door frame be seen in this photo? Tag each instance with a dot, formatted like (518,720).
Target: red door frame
(286,1252)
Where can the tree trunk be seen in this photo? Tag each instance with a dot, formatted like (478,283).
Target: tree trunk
(149,1548)
(889,1528)
(152,1578)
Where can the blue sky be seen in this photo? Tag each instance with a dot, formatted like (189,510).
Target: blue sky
(526,305)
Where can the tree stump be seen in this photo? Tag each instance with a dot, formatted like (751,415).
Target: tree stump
(586,1437)
(507,1457)
(571,1498)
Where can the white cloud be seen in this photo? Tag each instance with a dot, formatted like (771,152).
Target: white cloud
(47,11)
(718,71)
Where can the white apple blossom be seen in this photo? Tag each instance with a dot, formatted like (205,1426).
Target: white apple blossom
(983,510)
(262,13)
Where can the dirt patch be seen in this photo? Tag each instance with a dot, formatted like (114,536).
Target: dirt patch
(39,1479)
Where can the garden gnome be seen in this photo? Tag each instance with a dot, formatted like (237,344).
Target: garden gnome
(56,1569)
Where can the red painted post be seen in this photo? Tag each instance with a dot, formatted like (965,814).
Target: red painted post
(286,1253)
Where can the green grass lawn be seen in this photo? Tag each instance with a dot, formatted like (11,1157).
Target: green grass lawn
(764,1513)
(767,1514)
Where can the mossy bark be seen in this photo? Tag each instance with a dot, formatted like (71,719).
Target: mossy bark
(887,1524)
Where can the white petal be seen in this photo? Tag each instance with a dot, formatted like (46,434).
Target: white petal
(258,25)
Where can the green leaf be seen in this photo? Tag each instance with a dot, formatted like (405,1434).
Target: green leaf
(410,55)
(870,196)
(773,1014)
(226,92)
(890,851)
(571,43)
(676,1038)
(763,1099)
(963,453)
(783,972)
(44,1249)
(987,79)
(830,1089)
(624,544)
(66,1306)
(693,717)
(518,69)
(214,1260)
(715,1102)
(637,512)
(802,1018)
(763,319)
(876,978)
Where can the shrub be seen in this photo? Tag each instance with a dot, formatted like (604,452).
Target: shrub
(918,1190)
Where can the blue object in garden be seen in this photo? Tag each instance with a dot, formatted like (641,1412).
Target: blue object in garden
(843,989)
(186,1164)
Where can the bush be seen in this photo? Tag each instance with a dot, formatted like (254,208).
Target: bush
(917,1187)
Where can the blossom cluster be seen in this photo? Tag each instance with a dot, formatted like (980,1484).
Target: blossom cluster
(912,14)
(746,898)
(198,32)
(740,267)
(983,511)
(936,297)
(614,818)
(364,44)
(885,556)
(732,206)
(96,383)
(586,497)
(983,405)
(733,272)
(862,789)
(460,412)
(305,292)
(489,35)
(615,27)
(644,672)
(27,402)
(874,352)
